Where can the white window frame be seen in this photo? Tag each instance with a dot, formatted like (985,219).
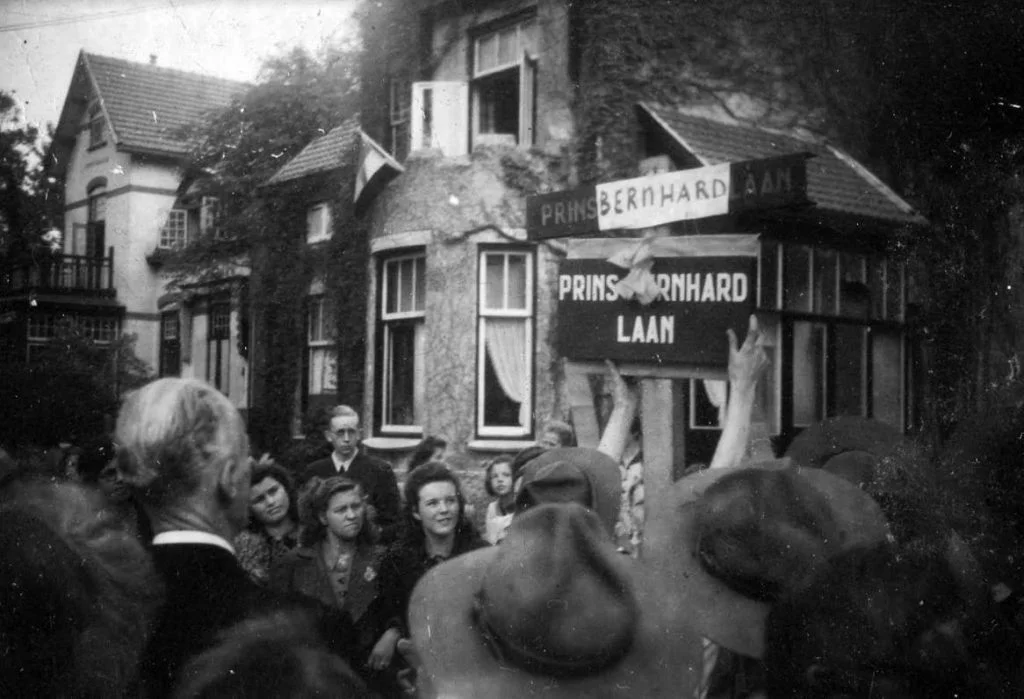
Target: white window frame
(100,330)
(320,341)
(318,223)
(525,62)
(522,29)
(174,232)
(527,315)
(97,130)
(417,314)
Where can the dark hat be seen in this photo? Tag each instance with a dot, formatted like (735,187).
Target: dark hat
(741,537)
(819,444)
(555,611)
(573,474)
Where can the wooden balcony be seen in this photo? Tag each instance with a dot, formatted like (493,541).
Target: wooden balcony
(62,274)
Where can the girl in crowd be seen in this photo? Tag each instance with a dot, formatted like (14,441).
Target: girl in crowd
(498,481)
(96,467)
(435,529)
(273,520)
(430,449)
(339,559)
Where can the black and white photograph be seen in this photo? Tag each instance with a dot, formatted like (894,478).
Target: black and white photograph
(473,349)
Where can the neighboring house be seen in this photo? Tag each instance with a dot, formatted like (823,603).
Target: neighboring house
(462,307)
(119,151)
(343,157)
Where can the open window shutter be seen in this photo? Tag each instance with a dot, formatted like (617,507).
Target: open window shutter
(527,84)
(440,113)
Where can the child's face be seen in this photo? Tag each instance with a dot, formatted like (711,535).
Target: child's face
(501,479)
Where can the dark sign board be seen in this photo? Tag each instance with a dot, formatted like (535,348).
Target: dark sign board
(653,200)
(700,298)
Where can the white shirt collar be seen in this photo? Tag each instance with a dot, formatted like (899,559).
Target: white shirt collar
(342,466)
(192,537)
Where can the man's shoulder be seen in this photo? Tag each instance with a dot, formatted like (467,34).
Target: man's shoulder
(320,467)
(372,463)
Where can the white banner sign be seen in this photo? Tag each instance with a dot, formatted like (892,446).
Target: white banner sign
(644,202)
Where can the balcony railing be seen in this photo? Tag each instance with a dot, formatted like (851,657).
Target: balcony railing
(63,274)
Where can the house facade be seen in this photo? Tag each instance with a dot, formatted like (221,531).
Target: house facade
(477,103)
(120,151)
(330,178)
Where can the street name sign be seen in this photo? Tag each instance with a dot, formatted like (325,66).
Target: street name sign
(654,200)
(700,298)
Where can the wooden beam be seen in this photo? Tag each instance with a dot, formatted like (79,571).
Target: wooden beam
(662,442)
(581,407)
(720,245)
(654,371)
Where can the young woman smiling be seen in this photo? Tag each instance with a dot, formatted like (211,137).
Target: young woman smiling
(273,520)
(435,528)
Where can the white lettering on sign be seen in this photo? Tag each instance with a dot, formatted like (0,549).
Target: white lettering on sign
(685,287)
(587,287)
(643,202)
(573,211)
(659,330)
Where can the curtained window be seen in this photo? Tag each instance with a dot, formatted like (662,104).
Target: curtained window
(505,344)
(403,378)
(323,356)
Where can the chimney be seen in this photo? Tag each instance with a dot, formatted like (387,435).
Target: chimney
(152,59)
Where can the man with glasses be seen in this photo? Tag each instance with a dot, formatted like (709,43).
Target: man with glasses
(376,476)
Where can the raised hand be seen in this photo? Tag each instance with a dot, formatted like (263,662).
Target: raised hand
(747,362)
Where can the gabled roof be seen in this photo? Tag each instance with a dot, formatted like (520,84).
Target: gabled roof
(335,149)
(145,105)
(835,181)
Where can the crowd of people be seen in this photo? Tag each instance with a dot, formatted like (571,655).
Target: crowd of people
(166,561)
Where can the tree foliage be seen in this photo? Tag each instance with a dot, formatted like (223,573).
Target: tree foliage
(30,203)
(298,98)
(69,393)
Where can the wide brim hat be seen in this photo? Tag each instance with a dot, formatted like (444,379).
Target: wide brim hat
(460,657)
(850,446)
(719,612)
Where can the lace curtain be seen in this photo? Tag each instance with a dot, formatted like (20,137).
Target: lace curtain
(506,347)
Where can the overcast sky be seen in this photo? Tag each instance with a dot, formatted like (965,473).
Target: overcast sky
(40,39)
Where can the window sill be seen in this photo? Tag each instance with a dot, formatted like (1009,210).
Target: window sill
(392,443)
(499,444)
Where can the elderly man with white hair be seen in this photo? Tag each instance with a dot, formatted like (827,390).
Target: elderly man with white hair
(184,452)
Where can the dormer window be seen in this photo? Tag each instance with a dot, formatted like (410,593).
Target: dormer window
(318,223)
(174,234)
(97,128)
(496,106)
(504,76)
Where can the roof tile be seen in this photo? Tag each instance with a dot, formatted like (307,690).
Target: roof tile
(334,149)
(835,181)
(148,105)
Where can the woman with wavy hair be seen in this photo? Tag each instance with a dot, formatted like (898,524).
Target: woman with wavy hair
(435,529)
(273,529)
(338,561)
